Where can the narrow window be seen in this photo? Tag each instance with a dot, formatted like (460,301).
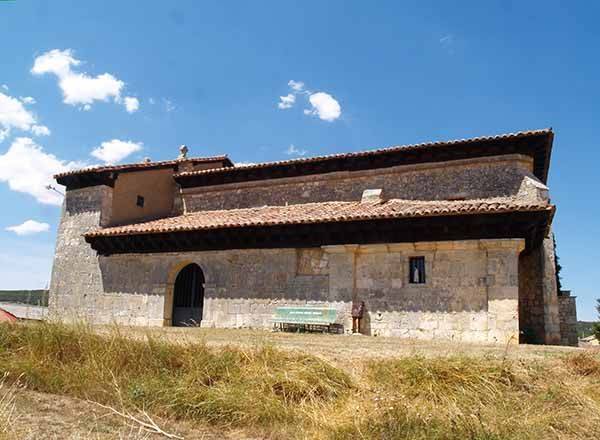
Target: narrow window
(140,201)
(416,267)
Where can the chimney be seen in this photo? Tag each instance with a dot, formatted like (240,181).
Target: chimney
(372,196)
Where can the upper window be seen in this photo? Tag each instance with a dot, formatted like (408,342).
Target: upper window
(416,267)
(140,201)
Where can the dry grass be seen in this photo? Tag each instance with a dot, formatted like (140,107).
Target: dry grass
(230,387)
(276,393)
(7,407)
(458,398)
(585,363)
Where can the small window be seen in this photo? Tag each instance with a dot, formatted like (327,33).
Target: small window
(140,201)
(416,270)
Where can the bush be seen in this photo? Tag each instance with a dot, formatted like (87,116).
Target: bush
(596,330)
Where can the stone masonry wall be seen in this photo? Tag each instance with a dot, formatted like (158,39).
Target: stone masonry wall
(538,301)
(531,299)
(470,179)
(568,319)
(550,291)
(77,291)
(241,290)
(471,292)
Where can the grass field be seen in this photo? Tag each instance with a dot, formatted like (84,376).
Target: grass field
(203,383)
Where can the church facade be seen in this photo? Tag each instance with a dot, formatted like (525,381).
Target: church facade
(443,240)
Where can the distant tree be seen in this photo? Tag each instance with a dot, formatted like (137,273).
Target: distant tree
(596,328)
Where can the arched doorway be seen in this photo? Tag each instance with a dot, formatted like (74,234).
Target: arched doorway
(188,296)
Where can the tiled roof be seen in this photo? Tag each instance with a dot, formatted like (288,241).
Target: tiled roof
(392,149)
(322,213)
(142,165)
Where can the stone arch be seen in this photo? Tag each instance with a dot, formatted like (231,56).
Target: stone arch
(174,270)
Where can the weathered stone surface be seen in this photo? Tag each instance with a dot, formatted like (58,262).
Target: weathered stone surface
(471,179)
(568,319)
(538,299)
(477,290)
(76,276)
(244,286)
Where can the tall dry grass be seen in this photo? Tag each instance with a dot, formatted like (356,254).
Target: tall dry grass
(263,388)
(477,398)
(294,395)
(7,407)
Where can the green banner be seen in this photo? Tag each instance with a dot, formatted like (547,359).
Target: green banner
(305,315)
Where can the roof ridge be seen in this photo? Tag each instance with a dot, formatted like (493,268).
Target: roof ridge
(133,165)
(392,148)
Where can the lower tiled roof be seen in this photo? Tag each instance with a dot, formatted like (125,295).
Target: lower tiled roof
(323,212)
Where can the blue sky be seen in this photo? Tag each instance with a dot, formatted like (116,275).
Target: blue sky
(210,75)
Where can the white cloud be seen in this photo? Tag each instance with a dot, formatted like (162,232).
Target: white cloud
(56,61)
(169,105)
(80,88)
(115,150)
(27,99)
(287,101)
(131,104)
(29,227)
(324,106)
(5,87)
(293,151)
(296,86)
(244,164)
(40,130)
(27,168)
(14,115)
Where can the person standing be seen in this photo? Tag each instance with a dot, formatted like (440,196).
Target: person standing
(358,310)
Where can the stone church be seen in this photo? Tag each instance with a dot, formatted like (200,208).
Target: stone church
(441,240)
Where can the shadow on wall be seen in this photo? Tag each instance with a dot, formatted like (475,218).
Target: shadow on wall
(253,277)
(87,200)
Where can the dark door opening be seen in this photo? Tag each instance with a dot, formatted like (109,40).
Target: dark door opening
(188,298)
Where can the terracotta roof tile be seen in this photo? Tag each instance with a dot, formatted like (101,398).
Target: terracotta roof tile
(507,136)
(142,165)
(320,213)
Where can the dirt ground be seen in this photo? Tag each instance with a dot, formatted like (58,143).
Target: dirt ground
(46,416)
(344,348)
